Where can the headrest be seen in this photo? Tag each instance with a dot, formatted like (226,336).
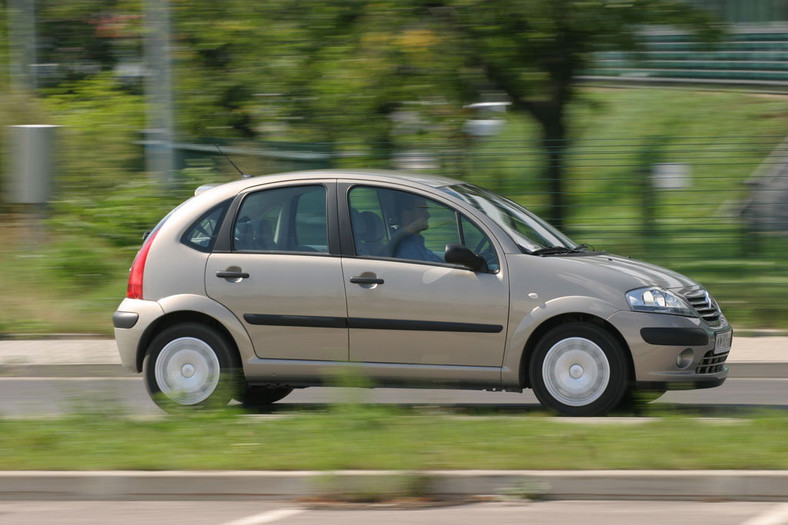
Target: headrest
(367,226)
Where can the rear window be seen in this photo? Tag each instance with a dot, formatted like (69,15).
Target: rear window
(201,235)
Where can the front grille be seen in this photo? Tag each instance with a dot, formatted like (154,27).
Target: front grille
(705,305)
(711,363)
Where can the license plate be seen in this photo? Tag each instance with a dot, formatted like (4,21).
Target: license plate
(722,342)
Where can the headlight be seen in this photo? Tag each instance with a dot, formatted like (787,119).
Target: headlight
(658,301)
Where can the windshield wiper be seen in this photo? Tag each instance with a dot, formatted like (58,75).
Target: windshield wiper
(551,250)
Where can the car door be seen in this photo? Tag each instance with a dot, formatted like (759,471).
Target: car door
(405,307)
(279,276)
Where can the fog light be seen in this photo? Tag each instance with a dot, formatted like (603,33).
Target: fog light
(685,358)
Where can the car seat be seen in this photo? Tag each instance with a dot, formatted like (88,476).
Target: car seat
(368,232)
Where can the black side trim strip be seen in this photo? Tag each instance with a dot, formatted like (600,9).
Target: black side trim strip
(296,320)
(429,326)
(675,336)
(369,324)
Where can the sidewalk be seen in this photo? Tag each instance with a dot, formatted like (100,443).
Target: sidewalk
(750,357)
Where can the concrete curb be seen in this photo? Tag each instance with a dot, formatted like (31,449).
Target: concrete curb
(237,485)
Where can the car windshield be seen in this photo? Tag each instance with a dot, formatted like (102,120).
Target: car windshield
(528,231)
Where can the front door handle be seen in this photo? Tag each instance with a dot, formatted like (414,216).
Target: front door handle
(366,280)
(232,275)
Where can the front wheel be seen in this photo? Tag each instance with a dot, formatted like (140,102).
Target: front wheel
(579,369)
(191,365)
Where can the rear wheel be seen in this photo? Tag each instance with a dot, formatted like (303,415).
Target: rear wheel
(579,369)
(191,365)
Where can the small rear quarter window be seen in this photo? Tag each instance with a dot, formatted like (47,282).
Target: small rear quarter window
(201,235)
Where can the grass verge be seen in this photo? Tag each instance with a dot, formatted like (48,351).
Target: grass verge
(375,437)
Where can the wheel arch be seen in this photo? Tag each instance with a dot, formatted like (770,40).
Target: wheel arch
(560,319)
(178,317)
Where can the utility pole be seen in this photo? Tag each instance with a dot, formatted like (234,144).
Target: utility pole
(159,135)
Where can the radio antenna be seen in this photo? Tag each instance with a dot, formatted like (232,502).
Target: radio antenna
(243,175)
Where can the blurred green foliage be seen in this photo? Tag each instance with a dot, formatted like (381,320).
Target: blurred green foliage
(366,80)
(395,73)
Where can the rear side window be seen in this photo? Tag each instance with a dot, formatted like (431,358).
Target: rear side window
(290,219)
(201,235)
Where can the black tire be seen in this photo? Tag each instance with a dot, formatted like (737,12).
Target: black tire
(579,369)
(190,366)
(256,397)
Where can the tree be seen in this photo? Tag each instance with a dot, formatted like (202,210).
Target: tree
(371,57)
(312,70)
(535,50)
(339,70)
(342,68)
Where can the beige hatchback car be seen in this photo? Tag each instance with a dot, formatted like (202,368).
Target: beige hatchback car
(256,287)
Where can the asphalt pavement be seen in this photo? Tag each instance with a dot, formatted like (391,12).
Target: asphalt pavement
(58,356)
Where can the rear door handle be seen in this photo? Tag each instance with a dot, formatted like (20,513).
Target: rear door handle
(232,275)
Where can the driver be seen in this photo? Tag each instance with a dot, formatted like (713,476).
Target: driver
(413,215)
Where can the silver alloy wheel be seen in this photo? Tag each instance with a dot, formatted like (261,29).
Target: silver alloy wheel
(575,371)
(187,370)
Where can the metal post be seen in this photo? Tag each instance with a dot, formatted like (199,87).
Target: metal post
(21,25)
(159,157)
(650,154)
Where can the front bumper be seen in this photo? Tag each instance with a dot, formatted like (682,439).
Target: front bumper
(656,342)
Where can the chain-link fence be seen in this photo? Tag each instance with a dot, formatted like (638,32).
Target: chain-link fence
(713,208)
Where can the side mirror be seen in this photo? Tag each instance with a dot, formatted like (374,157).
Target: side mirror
(462,255)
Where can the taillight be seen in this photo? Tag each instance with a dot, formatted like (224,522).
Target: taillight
(137,273)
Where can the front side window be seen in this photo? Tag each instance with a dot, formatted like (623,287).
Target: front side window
(289,219)
(404,225)
(479,243)
(527,230)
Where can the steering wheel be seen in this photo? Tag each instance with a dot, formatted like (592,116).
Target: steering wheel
(485,250)
(479,247)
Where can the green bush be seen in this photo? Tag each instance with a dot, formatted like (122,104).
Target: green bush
(122,214)
(79,262)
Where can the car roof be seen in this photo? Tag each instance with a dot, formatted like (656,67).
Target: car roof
(433,181)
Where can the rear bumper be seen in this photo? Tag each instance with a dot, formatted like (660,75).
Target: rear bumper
(131,319)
